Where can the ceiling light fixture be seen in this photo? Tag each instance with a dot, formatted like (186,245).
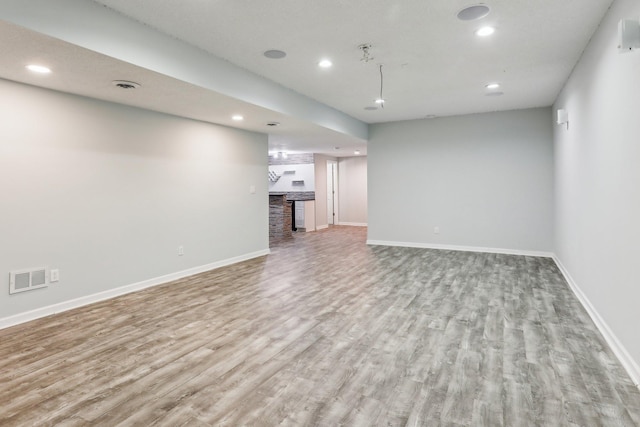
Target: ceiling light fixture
(237,118)
(472,13)
(485,31)
(39,69)
(357,152)
(275,54)
(380,100)
(325,63)
(366,55)
(492,86)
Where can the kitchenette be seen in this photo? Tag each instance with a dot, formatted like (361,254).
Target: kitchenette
(291,195)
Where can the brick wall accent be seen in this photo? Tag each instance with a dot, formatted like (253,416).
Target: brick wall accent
(293,159)
(279,218)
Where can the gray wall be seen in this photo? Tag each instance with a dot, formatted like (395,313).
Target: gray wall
(486,180)
(106,194)
(352,190)
(598,182)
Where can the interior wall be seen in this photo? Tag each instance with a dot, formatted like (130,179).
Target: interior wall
(597,181)
(352,190)
(320,164)
(484,180)
(293,178)
(106,194)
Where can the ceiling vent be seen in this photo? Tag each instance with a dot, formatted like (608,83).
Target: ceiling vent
(474,12)
(275,54)
(123,84)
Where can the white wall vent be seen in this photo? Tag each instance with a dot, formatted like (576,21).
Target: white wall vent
(26,280)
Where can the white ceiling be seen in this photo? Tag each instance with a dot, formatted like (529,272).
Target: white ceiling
(433,63)
(83,72)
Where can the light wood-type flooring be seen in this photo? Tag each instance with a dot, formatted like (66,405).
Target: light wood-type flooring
(325,331)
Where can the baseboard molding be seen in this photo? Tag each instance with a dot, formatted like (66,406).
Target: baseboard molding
(354,224)
(322,227)
(112,293)
(460,248)
(630,365)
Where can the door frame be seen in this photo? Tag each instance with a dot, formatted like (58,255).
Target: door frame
(332,192)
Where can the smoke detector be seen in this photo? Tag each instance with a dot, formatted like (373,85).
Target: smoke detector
(124,84)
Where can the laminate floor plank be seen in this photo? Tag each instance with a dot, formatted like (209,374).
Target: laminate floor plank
(325,331)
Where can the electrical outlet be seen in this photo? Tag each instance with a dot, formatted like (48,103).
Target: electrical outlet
(180,250)
(436,230)
(54,276)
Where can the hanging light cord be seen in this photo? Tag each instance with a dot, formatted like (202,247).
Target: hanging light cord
(381,87)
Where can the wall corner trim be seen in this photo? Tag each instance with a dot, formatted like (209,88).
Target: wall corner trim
(630,365)
(461,248)
(112,293)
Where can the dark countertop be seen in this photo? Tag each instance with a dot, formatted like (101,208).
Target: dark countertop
(296,195)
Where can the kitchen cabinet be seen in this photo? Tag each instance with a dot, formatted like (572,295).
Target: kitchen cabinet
(305,215)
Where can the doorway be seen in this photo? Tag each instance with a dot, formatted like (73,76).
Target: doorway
(332,192)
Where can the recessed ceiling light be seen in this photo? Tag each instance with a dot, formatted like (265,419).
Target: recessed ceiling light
(237,118)
(493,86)
(39,69)
(325,63)
(275,54)
(370,108)
(379,101)
(485,31)
(494,94)
(472,13)
(357,152)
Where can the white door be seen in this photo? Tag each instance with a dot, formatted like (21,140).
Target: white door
(332,192)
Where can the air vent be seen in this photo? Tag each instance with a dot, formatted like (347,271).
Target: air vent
(123,84)
(26,280)
(273,124)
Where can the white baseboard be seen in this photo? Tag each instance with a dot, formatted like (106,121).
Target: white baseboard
(630,365)
(112,293)
(460,248)
(322,227)
(354,224)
